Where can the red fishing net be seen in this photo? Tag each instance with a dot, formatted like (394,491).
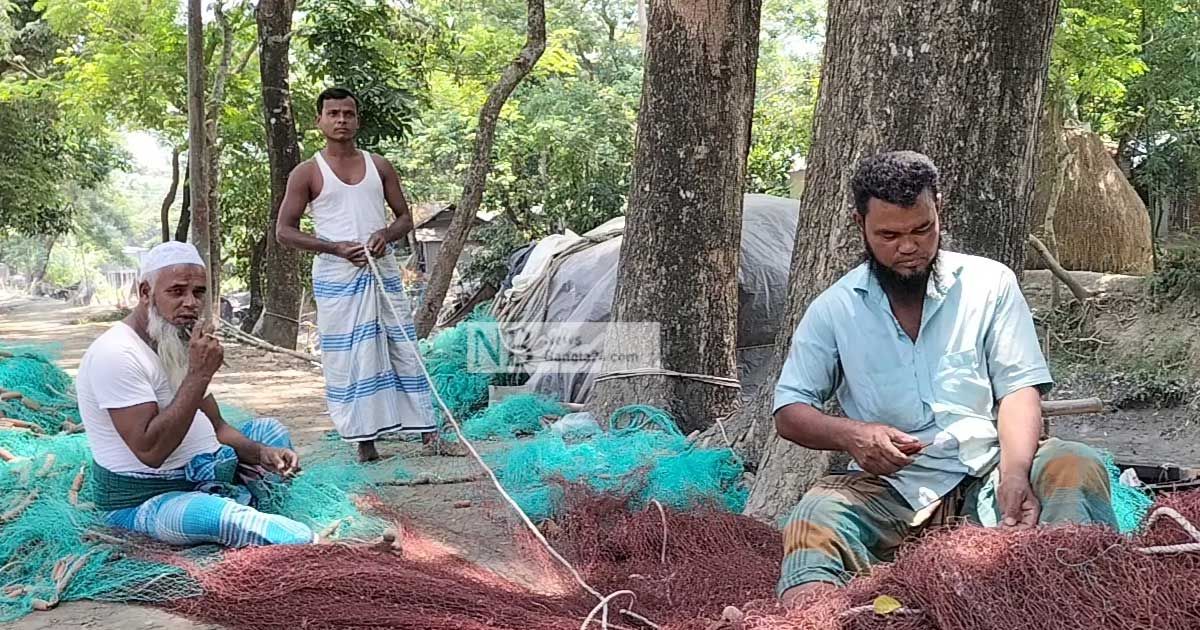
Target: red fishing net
(710,559)
(967,578)
(330,586)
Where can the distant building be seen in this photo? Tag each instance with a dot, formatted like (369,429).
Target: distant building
(431,223)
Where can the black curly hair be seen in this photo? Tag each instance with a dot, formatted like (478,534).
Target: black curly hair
(897,177)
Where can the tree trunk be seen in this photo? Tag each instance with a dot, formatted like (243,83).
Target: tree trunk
(212,131)
(198,163)
(169,200)
(282,296)
(679,258)
(481,164)
(185,212)
(40,275)
(257,253)
(959,81)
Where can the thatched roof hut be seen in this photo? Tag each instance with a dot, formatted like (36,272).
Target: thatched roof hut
(1099,221)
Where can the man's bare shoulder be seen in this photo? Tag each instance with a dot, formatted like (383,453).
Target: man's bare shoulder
(305,168)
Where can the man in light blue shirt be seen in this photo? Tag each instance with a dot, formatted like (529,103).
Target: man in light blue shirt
(935,362)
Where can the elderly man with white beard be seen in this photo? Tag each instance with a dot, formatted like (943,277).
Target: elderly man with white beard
(164,461)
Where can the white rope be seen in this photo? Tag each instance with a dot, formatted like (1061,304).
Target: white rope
(603,605)
(662,559)
(1184,523)
(602,608)
(720,381)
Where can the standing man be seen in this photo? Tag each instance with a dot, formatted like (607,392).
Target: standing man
(935,361)
(373,382)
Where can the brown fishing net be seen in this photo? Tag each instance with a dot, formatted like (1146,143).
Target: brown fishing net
(969,578)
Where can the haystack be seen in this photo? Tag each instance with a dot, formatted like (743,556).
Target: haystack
(1099,221)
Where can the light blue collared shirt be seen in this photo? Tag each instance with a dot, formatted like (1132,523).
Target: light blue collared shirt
(976,345)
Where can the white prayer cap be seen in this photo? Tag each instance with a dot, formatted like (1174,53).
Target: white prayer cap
(170,254)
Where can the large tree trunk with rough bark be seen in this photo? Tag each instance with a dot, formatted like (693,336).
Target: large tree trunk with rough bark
(198,163)
(959,81)
(481,164)
(679,256)
(281,302)
(169,199)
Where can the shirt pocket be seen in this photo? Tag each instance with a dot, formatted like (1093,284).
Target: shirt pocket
(962,384)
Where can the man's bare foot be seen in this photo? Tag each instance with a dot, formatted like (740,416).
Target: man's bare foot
(367,452)
(803,595)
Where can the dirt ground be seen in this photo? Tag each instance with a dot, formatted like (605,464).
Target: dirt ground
(269,384)
(1133,333)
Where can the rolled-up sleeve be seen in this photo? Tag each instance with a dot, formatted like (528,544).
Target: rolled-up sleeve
(810,373)
(1014,356)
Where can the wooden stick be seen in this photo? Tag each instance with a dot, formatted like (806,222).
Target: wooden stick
(1077,289)
(13,423)
(9,395)
(92,534)
(255,341)
(66,574)
(431,481)
(19,507)
(1072,407)
(76,486)
(6,456)
(328,532)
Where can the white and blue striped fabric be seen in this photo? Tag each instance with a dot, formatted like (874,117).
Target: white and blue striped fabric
(201,517)
(373,381)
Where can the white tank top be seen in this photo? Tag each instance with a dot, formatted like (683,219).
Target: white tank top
(349,213)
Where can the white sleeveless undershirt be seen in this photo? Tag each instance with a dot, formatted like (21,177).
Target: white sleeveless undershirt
(349,213)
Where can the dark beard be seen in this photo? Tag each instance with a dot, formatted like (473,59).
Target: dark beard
(895,284)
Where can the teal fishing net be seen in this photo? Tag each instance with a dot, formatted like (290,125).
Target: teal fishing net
(464,391)
(1130,504)
(54,547)
(515,416)
(34,389)
(643,457)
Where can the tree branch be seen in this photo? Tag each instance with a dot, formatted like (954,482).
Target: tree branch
(1077,289)
(219,81)
(481,164)
(246,57)
(169,199)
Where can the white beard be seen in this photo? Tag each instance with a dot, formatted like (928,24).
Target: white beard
(170,346)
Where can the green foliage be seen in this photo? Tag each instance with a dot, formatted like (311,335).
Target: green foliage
(500,239)
(369,49)
(1096,55)
(783,116)
(7,32)
(44,158)
(1157,380)
(130,63)
(1131,70)
(1178,275)
(786,95)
